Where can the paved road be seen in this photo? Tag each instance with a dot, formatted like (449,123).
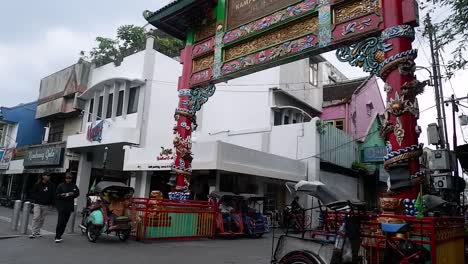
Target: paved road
(76,249)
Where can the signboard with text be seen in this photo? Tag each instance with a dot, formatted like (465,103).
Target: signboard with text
(239,11)
(375,154)
(46,156)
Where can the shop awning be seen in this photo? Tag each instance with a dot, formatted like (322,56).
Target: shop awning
(218,155)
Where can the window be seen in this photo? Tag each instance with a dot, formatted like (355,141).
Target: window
(133,100)
(109,106)
(369,108)
(277,118)
(2,129)
(338,123)
(56,132)
(313,79)
(91,106)
(120,103)
(286,120)
(99,110)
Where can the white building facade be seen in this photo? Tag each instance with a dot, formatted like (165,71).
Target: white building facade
(254,134)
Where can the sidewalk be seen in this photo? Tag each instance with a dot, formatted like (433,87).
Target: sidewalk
(48,228)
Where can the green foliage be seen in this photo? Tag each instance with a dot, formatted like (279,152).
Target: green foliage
(452,29)
(360,167)
(321,127)
(131,39)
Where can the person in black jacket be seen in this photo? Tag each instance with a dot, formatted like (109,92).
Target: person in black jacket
(43,194)
(65,202)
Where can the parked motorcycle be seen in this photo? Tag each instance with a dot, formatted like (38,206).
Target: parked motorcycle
(105,211)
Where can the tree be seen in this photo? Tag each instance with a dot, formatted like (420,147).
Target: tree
(452,30)
(131,39)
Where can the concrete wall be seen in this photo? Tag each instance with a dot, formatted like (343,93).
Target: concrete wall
(343,183)
(358,126)
(370,92)
(30,131)
(131,68)
(242,103)
(334,112)
(295,79)
(72,126)
(161,98)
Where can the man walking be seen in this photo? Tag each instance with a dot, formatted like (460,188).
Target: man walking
(43,194)
(66,194)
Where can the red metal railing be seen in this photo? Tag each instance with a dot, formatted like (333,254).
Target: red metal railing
(435,233)
(154,219)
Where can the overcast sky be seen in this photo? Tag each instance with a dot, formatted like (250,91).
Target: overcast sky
(41,37)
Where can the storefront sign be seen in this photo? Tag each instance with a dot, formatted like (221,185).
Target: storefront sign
(43,157)
(241,11)
(95,133)
(6,158)
(374,154)
(165,154)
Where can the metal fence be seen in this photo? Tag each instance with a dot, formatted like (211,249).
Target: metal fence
(337,147)
(154,219)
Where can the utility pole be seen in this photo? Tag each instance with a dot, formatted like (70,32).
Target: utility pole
(442,133)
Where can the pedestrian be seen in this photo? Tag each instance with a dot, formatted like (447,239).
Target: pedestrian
(43,194)
(65,202)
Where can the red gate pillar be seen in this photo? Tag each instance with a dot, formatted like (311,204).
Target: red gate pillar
(184,118)
(400,126)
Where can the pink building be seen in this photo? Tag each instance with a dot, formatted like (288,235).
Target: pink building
(352,105)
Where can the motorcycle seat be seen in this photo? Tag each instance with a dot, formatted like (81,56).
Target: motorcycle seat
(395,228)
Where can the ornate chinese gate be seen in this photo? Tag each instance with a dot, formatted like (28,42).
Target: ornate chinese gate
(226,39)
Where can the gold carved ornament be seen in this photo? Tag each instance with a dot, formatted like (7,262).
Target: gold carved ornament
(274,37)
(356,9)
(203,63)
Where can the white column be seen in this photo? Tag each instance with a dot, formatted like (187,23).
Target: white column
(143,184)
(126,98)
(144,104)
(105,101)
(115,99)
(95,108)
(82,180)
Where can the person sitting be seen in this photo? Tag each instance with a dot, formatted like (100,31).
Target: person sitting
(295,206)
(227,210)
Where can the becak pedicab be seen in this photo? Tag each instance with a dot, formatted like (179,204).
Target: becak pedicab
(324,245)
(255,223)
(228,218)
(105,211)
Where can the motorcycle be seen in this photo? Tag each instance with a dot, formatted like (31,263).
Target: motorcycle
(105,211)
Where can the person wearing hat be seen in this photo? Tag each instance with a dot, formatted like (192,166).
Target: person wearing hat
(65,202)
(43,194)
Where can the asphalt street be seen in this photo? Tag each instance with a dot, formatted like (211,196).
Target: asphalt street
(108,249)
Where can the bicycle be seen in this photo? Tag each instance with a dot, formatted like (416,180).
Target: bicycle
(405,251)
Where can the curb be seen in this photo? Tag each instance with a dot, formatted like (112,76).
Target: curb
(10,236)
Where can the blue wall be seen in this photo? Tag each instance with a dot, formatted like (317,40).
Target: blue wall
(30,130)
